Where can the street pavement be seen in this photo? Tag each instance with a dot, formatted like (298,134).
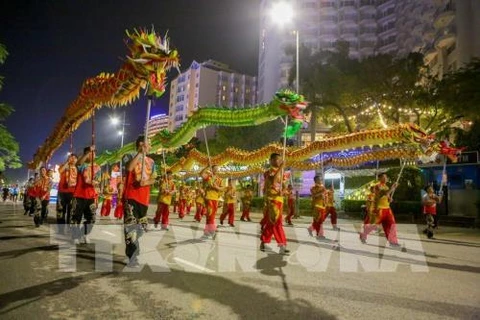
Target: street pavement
(44,276)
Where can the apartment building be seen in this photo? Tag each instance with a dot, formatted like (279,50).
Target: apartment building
(447,31)
(210,83)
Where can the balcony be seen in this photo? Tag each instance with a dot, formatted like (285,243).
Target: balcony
(367,19)
(429,53)
(428,33)
(446,38)
(367,5)
(347,6)
(328,7)
(418,29)
(350,20)
(349,32)
(367,51)
(328,34)
(444,19)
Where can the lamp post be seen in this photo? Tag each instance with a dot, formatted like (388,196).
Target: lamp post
(115,121)
(283,13)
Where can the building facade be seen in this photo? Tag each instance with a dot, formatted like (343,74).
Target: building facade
(157,123)
(210,83)
(446,31)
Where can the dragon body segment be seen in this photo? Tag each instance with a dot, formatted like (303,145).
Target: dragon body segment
(407,138)
(284,103)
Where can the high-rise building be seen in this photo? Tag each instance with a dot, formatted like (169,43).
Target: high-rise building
(447,31)
(157,123)
(210,83)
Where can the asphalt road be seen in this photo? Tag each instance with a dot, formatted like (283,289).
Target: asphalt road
(44,276)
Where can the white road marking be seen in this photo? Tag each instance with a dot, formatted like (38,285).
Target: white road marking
(191,264)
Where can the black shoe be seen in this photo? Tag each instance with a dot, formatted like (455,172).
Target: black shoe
(425,231)
(241,219)
(310,232)
(249,220)
(429,234)
(284,251)
(231,225)
(262,247)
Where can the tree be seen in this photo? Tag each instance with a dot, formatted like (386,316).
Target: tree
(459,91)
(469,139)
(247,138)
(8,146)
(351,95)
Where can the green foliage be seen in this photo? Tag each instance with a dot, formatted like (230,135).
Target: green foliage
(338,87)
(357,182)
(406,207)
(398,207)
(8,146)
(352,205)
(185,149)
(257,202)
(410,184)
(3,53)
(247,138)
(459,91)
(470,138)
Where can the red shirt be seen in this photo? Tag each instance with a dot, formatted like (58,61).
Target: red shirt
(32,189)
(427,207)
(84,189)
(133,191)
(68,180)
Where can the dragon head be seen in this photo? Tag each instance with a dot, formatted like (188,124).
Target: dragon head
(151,58)
(291,104)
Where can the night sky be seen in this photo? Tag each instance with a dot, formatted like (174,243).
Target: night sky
(54,45)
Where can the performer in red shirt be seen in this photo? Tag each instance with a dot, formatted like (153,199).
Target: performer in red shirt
(43,186)
(384,212)
(118,213)
(85,195)
(430,200)
(141,175)
(272,221)
(319,212)
(167,189)
(289,194)
(230,202)
(213,187)
(246,203)
(330,207)
(66,187)
(199,203)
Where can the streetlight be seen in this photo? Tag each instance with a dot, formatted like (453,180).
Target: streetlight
(283,13)
(116,121)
